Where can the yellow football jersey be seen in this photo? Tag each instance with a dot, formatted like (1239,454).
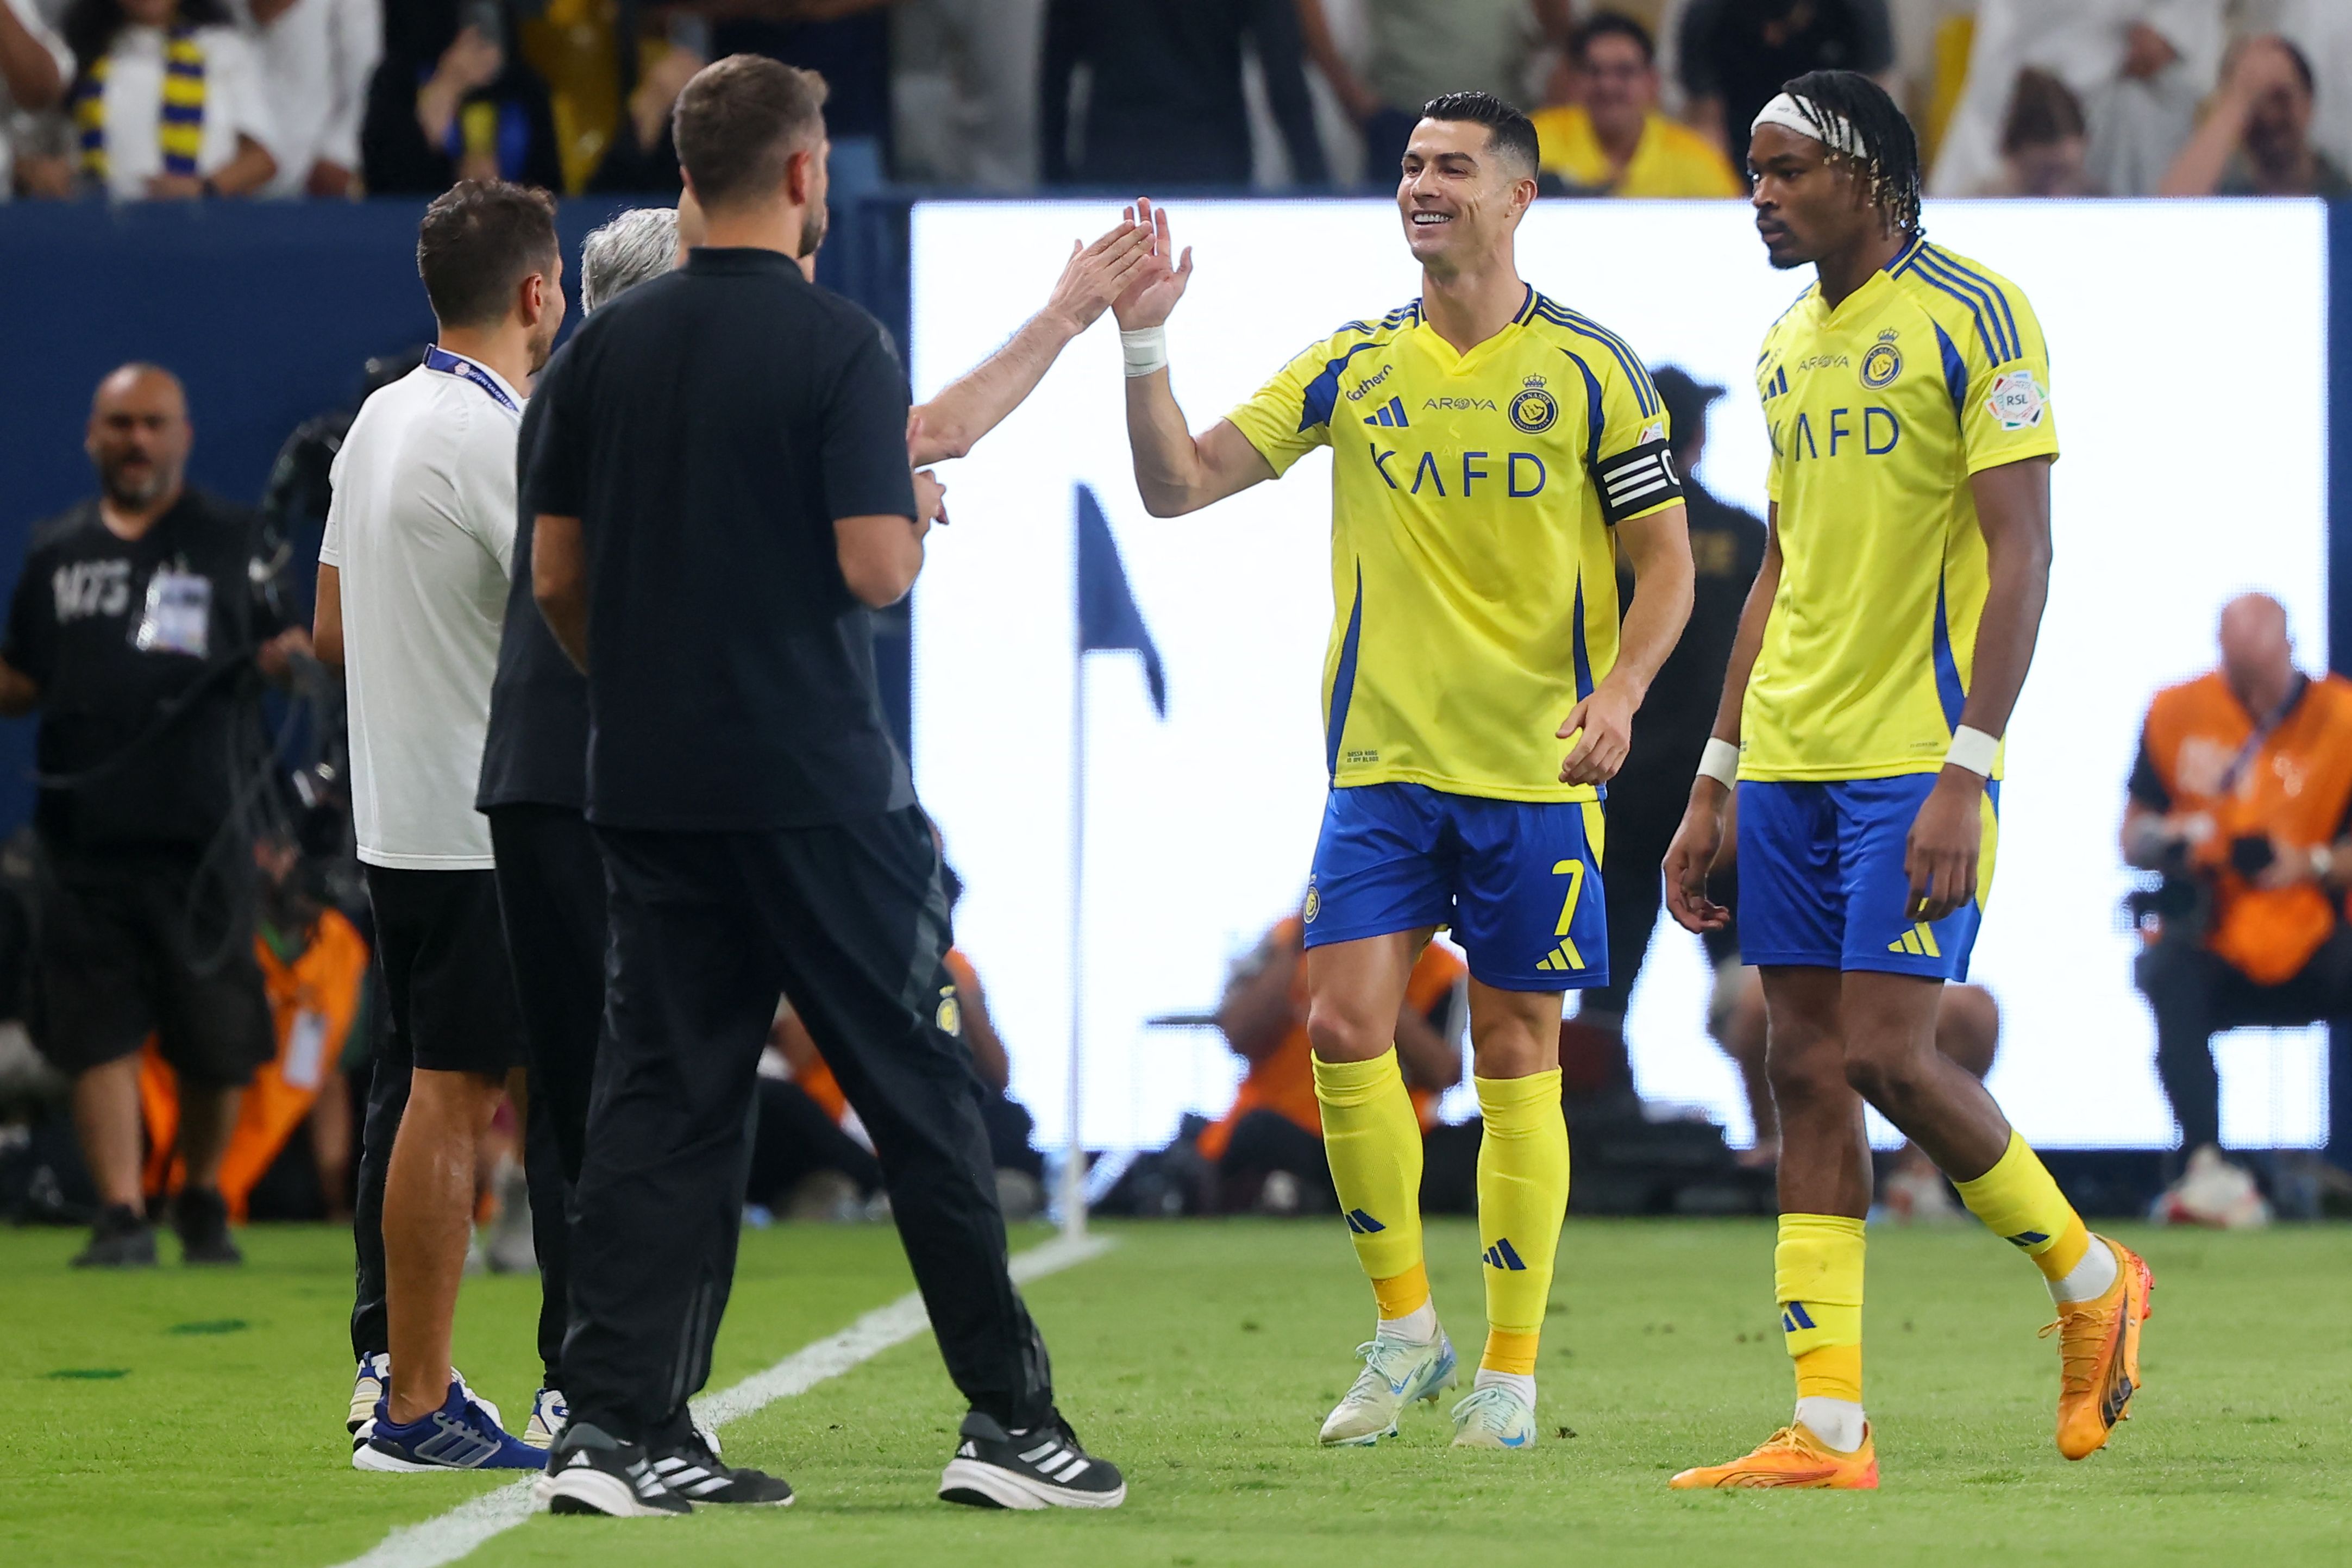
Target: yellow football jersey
(1880,411)
(1473,578)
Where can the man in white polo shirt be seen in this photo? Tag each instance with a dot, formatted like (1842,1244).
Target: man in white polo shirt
(412,594)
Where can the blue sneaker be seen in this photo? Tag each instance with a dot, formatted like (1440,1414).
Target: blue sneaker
(460,1435)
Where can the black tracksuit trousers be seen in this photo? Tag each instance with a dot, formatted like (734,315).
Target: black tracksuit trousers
(850,920)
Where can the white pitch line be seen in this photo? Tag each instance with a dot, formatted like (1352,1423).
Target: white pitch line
(446,1537)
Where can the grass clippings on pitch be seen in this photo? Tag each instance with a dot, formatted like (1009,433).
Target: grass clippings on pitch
(1201,1357)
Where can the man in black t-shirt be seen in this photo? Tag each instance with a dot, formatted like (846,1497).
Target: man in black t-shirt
(135,630)
(534,781)
(1669,733)
(721,490)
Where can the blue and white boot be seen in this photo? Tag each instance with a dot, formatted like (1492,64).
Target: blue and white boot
(463,1434)
(1396,1373)
(1494,1418)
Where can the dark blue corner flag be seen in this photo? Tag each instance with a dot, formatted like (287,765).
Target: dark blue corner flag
(1107,617)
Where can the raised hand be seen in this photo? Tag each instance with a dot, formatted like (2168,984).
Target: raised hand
(1154,288)
(1098,274)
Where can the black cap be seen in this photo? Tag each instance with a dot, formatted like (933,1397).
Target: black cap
(1686,399)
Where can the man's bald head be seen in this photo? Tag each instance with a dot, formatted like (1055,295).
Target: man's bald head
(2257,654)
(142,383)
(139,436)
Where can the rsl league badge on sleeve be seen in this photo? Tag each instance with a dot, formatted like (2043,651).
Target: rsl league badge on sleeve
(2017,400)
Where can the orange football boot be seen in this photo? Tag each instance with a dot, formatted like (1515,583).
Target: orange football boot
(1793,1457)
(2098,1348)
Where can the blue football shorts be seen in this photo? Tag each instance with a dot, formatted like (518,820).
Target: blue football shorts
(1821,881)
(1519,882)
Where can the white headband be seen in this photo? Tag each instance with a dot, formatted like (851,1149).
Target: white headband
(1806,118)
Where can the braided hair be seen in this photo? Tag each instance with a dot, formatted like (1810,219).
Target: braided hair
(1889,156)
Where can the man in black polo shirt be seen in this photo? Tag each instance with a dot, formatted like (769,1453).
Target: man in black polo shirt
(534,764)
(721,489)
(135,630)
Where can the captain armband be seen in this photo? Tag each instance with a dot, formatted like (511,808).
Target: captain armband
(1637,479)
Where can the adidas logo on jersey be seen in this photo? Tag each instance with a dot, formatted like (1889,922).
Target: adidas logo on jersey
(1391,413)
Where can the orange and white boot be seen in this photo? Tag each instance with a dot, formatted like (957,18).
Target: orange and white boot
(2098,1348)
(1793,1457)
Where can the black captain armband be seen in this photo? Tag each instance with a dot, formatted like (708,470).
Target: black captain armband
(1637,479)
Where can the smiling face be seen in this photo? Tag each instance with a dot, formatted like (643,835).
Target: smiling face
(1460,196)
(1807,206)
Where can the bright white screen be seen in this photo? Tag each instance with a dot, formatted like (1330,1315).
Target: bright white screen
(2187,357)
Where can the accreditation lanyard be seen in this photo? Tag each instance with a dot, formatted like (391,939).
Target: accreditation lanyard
(441,359)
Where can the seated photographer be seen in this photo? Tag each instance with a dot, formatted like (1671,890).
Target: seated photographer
(1274,1127)
(2241,798)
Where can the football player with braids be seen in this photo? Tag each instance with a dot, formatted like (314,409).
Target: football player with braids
(1881,650)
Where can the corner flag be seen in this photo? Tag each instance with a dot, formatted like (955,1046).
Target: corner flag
(1107,616)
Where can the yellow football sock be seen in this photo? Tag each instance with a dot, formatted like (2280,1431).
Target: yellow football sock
(1373,1141)
(1522,1200)
(1817,1279)
(2020,1200)
(1403,1295)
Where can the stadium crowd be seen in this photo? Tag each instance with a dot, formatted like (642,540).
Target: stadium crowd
(183,100)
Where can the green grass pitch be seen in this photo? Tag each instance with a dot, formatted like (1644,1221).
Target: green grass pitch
(193,1419)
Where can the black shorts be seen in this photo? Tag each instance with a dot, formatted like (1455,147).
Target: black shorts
(117,960)
(448,989)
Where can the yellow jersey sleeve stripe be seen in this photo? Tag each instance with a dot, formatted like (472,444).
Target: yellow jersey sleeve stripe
(1996,325)
(1645,395)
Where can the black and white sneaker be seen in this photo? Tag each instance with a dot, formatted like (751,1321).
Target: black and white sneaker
(1040,1467)
(692,1470)
(589,1470)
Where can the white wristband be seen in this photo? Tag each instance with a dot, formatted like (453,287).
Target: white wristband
(1720,761)
(1973,749)
(1145,350)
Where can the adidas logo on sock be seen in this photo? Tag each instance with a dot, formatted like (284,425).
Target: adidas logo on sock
(1362,1224)
(1794,1317)
(1501,1256)
(2027,1239)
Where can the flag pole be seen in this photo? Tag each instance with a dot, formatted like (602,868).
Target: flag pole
(1073,1161)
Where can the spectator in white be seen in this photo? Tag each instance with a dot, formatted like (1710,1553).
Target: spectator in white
(2255,140)
(2140,67)
(316,57)
(34,69)
(169,104)
(2045,142)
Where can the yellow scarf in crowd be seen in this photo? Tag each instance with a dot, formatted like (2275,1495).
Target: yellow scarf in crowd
(180,129)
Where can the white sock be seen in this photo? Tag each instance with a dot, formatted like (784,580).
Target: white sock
(1418,1327)
(2092,1279)
(1522,1384)
(1836,1422)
